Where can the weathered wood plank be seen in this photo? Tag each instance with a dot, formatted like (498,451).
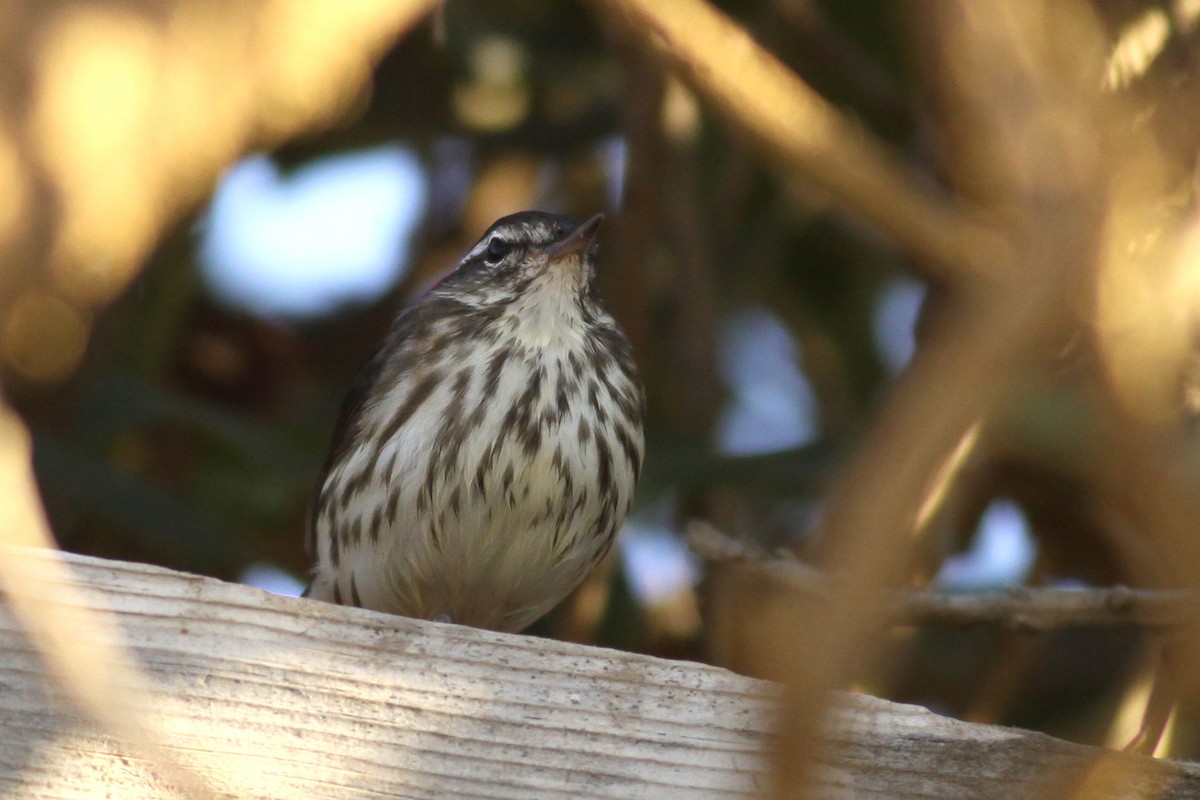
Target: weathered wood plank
(273,697)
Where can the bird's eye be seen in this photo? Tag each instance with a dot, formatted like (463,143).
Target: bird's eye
(497,249)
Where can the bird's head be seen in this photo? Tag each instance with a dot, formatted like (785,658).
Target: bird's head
(532,251)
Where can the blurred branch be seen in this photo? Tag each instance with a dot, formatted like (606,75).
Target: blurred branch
(116,118)
(1021,609)
(637,226)
(815,39)
(1142,717)
(906,463)
(697,389)
(70,630)
(760,95)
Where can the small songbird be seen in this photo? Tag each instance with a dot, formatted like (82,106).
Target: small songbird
(486,456)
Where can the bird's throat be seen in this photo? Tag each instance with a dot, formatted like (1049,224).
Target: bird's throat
(549,312)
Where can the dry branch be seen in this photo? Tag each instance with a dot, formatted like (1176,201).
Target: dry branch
(274,697)
(761,96)
(1022,608)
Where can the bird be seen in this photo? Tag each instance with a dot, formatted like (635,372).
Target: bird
(486,456)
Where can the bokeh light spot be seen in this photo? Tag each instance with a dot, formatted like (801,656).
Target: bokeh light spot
(44,337)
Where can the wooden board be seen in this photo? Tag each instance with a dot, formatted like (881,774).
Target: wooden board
(272,697)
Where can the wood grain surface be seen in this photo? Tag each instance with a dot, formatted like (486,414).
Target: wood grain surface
(273,697)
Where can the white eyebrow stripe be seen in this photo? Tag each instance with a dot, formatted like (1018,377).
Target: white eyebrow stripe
(480,247)
(518,234)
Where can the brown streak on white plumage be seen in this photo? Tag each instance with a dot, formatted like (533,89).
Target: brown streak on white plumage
(495,503)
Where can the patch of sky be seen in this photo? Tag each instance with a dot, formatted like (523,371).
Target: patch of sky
(334,232)
(771,405)
(657,563)
(896,320)
(271,579)
(1001,553)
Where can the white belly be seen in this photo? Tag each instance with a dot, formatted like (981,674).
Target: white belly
(476,512)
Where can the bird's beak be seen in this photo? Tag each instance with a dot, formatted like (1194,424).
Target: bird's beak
(577,242)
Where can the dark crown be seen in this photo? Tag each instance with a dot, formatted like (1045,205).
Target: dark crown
(531,228)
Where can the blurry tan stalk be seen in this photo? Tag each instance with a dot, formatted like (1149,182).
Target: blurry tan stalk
(114,119)
(1138,724)
(797,126)
(81,648)
(1079,260)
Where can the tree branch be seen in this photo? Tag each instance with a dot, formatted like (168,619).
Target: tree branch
(1024,609)
(760,95)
